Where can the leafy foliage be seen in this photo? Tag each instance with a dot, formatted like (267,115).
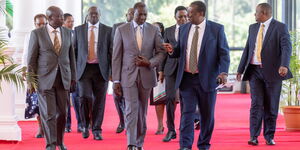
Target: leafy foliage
(291,87)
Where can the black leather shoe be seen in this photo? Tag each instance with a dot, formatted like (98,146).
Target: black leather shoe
(68,130)
(140,148)
(170,135)
(270,142)
(62,147)
(185,149)
(120,128)
(97,136)
(253,141)
(131,147)
(79,129)
(85,133)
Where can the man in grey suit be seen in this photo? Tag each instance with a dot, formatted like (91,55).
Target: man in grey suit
(93,52)
(169,70)
(51,58)
(119,100)
(137,51)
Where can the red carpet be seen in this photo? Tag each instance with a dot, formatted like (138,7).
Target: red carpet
(231,131)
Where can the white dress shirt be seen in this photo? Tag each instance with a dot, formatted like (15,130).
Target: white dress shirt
(52,35)
(189,43)
(96,30)
(176,32)
(135,27)
(254,60)
(25,51)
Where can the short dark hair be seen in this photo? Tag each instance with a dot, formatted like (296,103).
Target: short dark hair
(161,26)
(266,8)
(66,15)
(39,16)
(179,8)
(139,5)
(201,7)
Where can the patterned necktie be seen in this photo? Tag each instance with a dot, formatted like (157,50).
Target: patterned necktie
(260,42)
(193,53)
(91,53)
(56,44)
(138,37)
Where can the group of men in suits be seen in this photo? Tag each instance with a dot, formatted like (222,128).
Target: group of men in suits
(202,53)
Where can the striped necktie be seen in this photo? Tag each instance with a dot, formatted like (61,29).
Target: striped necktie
(56,43)
(260,42)
(193,64)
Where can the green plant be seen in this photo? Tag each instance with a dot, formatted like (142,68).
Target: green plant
(291,87)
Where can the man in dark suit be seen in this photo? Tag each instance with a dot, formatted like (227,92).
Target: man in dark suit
(137,51)
(69,23)
(51,58)
(119,100)
(93,52)
(169,70)
(204,57)
(265,63)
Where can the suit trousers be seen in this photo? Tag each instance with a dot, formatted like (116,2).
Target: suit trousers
(264,103)
(53,109)
(92,95)
(170,104)
(136,105)
(76,106)
(192,93)
(120,106)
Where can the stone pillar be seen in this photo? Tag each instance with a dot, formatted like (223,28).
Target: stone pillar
(9,129)
(23,23)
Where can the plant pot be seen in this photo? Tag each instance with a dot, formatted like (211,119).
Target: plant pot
(292,117)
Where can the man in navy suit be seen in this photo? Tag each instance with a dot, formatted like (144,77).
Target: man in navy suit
(204,57)
(265,63)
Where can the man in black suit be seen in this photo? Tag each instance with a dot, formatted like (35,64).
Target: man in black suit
(119,100)
(169,70)
(92,44)
(265,63)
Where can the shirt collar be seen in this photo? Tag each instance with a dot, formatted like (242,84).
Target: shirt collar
(51,29)
(135,24)
(267,23)
(177,26)
(201,25)
(96,25)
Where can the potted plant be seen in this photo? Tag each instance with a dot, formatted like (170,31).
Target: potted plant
(290,95)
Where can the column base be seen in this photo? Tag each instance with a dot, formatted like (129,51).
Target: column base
(9,129)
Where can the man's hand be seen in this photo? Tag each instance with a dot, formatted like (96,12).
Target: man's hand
(117,89)
(161,76)
(283,71)
(238,76)
(73,86)
(222,78)
(168,47)
(142,61)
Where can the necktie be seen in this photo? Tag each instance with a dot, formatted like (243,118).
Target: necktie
(56,42)
(193,53)
(260,42)
(91,53)
(138,37)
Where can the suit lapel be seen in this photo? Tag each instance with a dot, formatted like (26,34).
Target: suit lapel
(145,31)
(62,33)
(173,29)
(269,31)
(206,35)
(85,37)
(185,36)
(99,39)
(48,37)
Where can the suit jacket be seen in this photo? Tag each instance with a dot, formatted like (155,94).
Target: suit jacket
(213,58)
(276,51)
(44,62)
(169,65)
(115,26)
(104,49)
(125,51)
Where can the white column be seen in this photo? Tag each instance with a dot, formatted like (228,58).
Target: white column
(3,28)
(23,23)
(9,129)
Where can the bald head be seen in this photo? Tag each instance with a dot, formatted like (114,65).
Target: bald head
(129,14)
(93,15)
(55,16)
